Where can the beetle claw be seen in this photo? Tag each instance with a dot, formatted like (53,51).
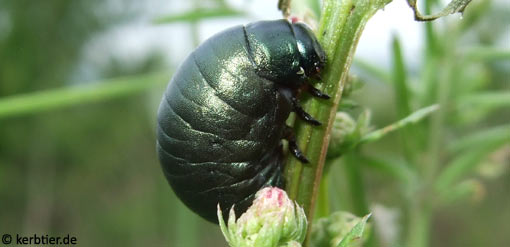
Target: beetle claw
(297,152)
(302,113)
(305,116)
(293,147)
(316,92)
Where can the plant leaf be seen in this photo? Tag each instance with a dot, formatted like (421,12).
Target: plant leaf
(413,118)
(487,54)
(355,233)
(400,80)
(485,99)
(482,138)
(464,163)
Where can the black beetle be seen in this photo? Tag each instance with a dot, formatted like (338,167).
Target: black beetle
(222,117)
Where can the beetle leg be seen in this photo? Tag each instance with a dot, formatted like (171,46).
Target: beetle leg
(301,113)
(316,92)
(293,147)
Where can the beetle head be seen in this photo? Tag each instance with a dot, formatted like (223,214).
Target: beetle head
(312,56)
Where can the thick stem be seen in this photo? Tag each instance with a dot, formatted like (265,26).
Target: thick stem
(340,28)
(354,178)
(359,204)
(323,203)
(419,226)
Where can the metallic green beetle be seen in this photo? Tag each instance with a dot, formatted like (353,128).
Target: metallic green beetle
(222,117)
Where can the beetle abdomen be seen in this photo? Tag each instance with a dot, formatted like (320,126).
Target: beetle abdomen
(220,127)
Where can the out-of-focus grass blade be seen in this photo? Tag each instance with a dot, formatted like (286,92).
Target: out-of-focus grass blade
(429,70)
(481,138)
(355,233)
(199,14)
(487,54)
(413,118)
(400,80)
(487,99)
(92,92)
(398,170)
(464,190)
(464,163)
(409,134)
(373,70)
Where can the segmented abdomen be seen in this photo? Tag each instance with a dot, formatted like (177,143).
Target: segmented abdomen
(220,126)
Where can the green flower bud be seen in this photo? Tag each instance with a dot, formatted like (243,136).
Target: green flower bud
(347,133)
(273,220)
(343,127)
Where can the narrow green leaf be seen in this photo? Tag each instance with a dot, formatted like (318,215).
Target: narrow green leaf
(400,80)
(355,233)
(91,92)
(485,99)
(485,137)
(464,163)
(487,54)
(408,134)
(468,189)
(199,14)
(413,118)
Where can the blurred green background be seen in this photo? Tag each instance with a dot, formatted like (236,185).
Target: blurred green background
(77,148)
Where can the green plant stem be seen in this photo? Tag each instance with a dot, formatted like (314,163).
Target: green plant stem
(356,187)
(419,225)
(340,28)
(357,190)
(417,219)
(323,202)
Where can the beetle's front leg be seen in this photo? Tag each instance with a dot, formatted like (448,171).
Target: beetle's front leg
(291,96)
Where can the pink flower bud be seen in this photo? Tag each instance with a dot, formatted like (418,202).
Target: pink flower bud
(273,220)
